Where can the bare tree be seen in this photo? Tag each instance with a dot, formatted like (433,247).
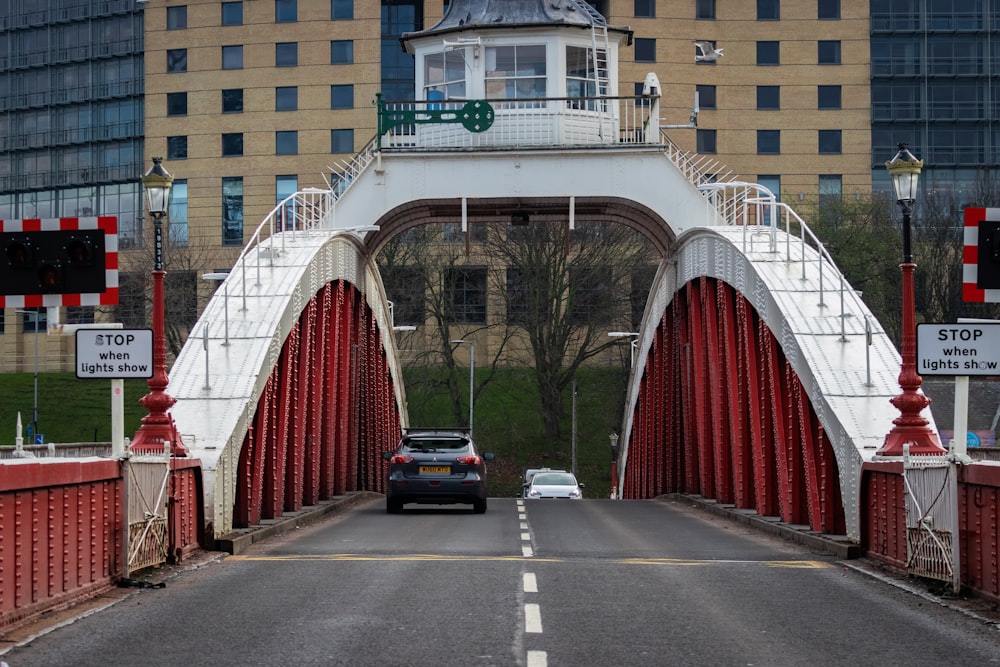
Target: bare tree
(183,265)
(564,290)
(865,242)
(421,273)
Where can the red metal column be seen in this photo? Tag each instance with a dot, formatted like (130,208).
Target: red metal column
(776,437)
(763,434)
(718,398)
(749,375)
(351,391)
(343,388)
(316,400)
(735,390)
(303,396)
(328,446)
(673,375)
(274,465)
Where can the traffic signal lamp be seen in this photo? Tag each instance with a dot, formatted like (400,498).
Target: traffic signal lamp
(988,264)
(52,262)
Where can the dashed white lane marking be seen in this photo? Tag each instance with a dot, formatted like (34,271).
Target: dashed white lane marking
(524,525)
(525,537)
(526,551)
(532,618)
(538,659)
(530,583)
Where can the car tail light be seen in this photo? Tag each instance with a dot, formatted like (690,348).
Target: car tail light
(401,458)
(468,460)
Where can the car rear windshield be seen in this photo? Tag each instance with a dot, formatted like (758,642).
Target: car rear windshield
(436,445)
(555,478)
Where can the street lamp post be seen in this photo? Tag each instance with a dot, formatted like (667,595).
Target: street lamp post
(158,426)
(909,428)
(633,344)
(614,465)
(35,315)
(472,374)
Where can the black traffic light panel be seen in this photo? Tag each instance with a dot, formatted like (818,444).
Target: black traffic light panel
(52,262)
(988,267)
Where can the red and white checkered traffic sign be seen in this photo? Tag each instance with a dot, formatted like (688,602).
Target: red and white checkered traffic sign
(975,287)
(107,223)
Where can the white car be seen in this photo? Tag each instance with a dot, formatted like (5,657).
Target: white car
(553,484)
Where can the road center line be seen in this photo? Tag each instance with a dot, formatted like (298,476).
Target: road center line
(532,618)
(530,582)
(538,659)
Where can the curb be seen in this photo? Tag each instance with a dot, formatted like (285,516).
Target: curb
(239,540)
(839,546)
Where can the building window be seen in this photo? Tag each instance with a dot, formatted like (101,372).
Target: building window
(232,57)
(768,53)
(645,50)
(286,98)
(177,104)
(828,52)
(232,13)
(828,97)
(706,96)
(828,9)
(466,288)
(768,142)
(232,211)
(177,60)
(177,148)
(830,189)
(704,9)
(285,187)
(79,314)
(517,297)
(768,10)
(773,183)
(644,9)
(404,287)
(285,11)
(232,144)
(177,210)
(341,52)
(515,72)
(444,75)
(706,141)
(177,17)
(830,142)
(232,100)
(591,295)
(286,54)
(286,142)
(342,96)
(768,97)
(342,10)
(341,141)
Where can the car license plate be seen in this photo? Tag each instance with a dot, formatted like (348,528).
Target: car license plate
(435,469)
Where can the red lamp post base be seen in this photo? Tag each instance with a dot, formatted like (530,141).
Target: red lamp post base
(158,426)
(910,427)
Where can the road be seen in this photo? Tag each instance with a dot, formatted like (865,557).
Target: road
(529,583)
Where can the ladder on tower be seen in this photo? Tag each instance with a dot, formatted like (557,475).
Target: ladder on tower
(597,66)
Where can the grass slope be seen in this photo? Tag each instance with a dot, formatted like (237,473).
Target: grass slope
(507,420)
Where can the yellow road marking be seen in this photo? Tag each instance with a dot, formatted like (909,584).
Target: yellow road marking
(679,562)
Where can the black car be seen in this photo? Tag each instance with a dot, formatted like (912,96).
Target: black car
(435,466)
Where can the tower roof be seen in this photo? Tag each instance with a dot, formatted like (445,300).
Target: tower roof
(479,14)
